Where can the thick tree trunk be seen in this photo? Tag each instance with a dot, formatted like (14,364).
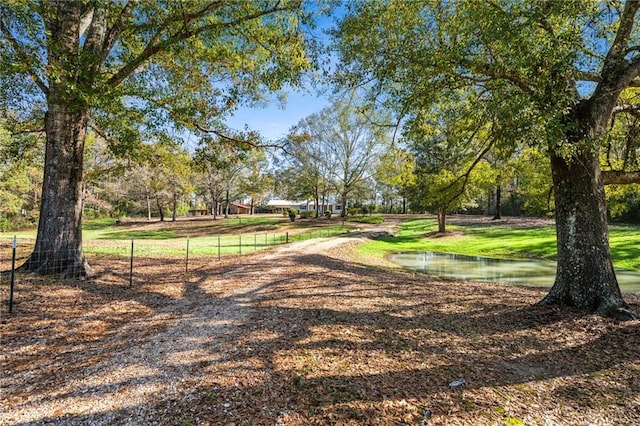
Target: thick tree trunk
(58,248)
(585,277)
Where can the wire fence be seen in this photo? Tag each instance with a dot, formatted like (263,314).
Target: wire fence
(130,259)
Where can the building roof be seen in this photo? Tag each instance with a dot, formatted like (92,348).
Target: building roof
(242,206)
(284,203)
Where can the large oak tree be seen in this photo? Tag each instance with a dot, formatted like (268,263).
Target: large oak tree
(564,65)
(131,70)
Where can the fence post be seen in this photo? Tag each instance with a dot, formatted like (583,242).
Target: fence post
(131,265)
(218,247)
(13,274)
(255,242)
(186,265)
(287,238)
(240,244)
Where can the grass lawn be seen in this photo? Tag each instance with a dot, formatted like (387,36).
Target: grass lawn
(204,236)
(498,241)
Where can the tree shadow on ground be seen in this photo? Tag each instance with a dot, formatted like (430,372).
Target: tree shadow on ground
(311,339)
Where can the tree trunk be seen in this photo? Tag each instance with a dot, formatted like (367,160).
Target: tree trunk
(148,205)
(585,277)
(497,214)
(175,206)
(160,208)
(442,220)
(58,248)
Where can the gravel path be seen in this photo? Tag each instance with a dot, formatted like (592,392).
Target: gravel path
(307,334)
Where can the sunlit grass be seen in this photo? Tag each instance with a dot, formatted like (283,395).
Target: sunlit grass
(153,245)
(499,242)
(374,219)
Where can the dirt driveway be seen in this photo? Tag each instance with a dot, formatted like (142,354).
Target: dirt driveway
(309,334)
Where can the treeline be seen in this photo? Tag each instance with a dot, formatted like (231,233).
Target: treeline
(365,170)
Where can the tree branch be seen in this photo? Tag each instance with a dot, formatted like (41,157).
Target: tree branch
(28,131)
(253,141)
(184,33)
(625,28)
(611,177)
(596,78)
(629,109)
(22,55)
(465,176)
(115,30)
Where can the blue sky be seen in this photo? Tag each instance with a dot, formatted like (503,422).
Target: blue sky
(273,122)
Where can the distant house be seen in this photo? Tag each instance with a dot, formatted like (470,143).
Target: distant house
(278,206)
(239,208)
(198,212)
(327,206)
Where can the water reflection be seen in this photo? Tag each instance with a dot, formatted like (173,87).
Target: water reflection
(523,272)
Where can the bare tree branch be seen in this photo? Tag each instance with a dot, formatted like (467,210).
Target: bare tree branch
(596,78)
(611,177)
(629,109)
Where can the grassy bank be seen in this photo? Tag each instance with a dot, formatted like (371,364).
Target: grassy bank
(498,241)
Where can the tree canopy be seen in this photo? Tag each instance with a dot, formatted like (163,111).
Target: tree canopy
(552,74)
(134,72)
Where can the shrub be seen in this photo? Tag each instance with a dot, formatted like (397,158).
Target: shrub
(367,219)
(327,214)
(306,215)
(292,214)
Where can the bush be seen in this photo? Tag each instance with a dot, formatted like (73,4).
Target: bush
(307,214)
(292,214)
(367,219)
(327,214)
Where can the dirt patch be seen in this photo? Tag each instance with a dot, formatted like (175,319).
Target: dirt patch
(307,334)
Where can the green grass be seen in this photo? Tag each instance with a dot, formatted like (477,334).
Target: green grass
(212,245)
(366,219)
(499,242)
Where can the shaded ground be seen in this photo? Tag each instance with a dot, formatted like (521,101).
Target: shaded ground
(306,334)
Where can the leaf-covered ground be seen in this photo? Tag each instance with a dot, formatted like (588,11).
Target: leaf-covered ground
(307,334)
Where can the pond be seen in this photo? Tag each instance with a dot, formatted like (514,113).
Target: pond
(537,273)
